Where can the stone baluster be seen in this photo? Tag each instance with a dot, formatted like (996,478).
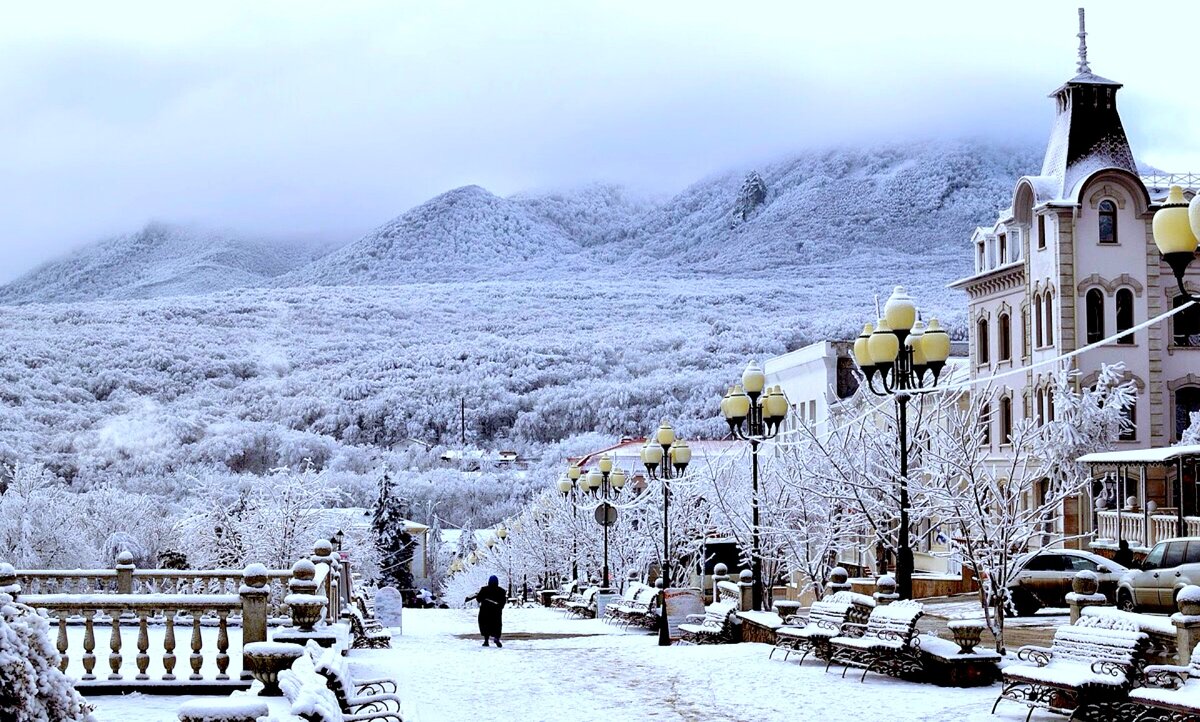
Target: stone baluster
(169,645)
(89,644)
(196,659)
(254,593)
(222,643)
(746,587)
(63,659)
(8,581)
(323,554)
(143,645)
(114,644)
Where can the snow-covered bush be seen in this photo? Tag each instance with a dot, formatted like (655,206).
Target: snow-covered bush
(32,689)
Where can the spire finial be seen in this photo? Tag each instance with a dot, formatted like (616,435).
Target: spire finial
(1083,66)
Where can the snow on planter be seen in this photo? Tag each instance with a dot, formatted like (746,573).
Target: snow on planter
(226,709)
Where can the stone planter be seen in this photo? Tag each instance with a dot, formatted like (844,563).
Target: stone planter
(265,660)
(306,610)
(967,633)
(1188,601)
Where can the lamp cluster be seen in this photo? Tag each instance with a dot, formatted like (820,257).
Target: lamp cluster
(901,349)
(664,445)
(594,479)
(753,401)
(1176,227)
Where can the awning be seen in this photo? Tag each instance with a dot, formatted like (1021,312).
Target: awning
(1142,457)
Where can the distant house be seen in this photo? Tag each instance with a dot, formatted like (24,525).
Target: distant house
(480,459)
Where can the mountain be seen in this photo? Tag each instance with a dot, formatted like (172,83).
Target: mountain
(159,260)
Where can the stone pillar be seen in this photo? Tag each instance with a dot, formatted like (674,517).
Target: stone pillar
(885,590)
(1085,592)
(839,580)
(1186,621)
(254,592)
(125,567)
(8,581)
(323,554)
(746,587)
(720,574)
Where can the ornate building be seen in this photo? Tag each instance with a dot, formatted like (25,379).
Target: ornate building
(1071,262)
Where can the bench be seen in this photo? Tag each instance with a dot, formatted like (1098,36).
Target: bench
(366,633)
(886,644)
(585,604)
(1095,660)
(312,700)
(642,611)
(825,620)
(357,697)
(718,625)
(566,594)
(612,612)
(1171,694)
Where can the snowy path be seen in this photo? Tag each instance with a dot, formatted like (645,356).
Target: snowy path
(546,671)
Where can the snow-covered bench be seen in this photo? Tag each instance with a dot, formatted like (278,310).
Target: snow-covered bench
(366,633)
(825,620)
(585,605)
(566,594)
(887,643)
(639,608)
(611,612)
(371,695)
(312,700)
(1097,659)
(718,625)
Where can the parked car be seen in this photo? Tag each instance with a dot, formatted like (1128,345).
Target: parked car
(1170,566)
(1045,578)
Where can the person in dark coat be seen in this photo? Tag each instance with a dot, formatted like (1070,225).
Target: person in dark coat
(491,609)
(1124,555)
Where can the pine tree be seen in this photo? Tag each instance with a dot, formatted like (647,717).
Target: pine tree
(396,546)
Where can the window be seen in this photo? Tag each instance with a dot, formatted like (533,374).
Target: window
(1041,231)
(1108,222)
(1173,557)
(1154,558)
(1049,320)
(1192,555)
(1050,404)
(1005,330)
(985,425)
(1037,320)
(1082,564)
(1040,404)
(1186,324)
(982,259)
(1129,428)
(1003,249)
(1187,401)
(981,341)
(1045,563)
(1006,420)
(1125,315)
(1094,308)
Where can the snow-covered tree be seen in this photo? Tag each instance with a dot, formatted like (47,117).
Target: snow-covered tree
(396,544)
(32,689)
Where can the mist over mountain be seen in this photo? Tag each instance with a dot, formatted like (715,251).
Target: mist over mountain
(159,260)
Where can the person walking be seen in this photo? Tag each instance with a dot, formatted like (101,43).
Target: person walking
(491,608)
(1124,555)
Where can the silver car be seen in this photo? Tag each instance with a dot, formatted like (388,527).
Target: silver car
(1170,566)
(1045,578)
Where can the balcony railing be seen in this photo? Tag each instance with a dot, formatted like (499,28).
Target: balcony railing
(1113,526)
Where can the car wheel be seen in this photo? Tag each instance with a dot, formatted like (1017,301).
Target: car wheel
(1125,601)
(1024,603)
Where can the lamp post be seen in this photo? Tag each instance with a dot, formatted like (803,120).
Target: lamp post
(754,414)
(901,350)
(604,477)
(665,446)
(338,537)
(568,486)
(1176,227)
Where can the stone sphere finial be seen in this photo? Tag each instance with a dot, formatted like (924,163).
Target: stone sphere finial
(721,570)
(886,584)
(746,576)
(255,575)
(658,583)
(125,558)
(839,575)
(322,548)
(304,570)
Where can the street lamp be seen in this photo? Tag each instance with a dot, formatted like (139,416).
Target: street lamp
(901,350)
(1176,226)
(337,539)
(755,413)
(568,486)
(604,477)
(664,445)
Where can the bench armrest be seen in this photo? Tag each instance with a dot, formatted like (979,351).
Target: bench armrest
(1109,667)
(1166,676)
(383,685)
(853,629)
(694,619)
(795,620)
(1037,655)
(891,635)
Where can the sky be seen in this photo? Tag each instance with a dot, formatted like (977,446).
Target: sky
(317,120)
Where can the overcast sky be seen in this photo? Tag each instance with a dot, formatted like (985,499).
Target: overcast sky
(326,119)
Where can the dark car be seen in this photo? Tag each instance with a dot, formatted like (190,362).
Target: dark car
(1045,578)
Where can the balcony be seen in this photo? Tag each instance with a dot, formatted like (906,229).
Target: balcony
(1113,526)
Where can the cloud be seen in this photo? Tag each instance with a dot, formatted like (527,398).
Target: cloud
(308,118)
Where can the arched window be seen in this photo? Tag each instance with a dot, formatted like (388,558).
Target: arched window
(1006,420)
(1049,322)
(1040,410)
(1108,222)
(1041,231)
(1125,315)
(1129,428)
(1004,328)
(1095,315)
(981,341)
(985,425)
(1186,324)
(1003,249)
(1187,401)
(1050,404)
(1037,320)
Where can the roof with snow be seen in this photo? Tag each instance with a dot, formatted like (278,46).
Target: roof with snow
(1143,457)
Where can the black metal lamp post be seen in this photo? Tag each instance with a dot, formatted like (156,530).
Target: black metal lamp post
(568,487)
(754,414)
(901,350)
(604,477)
(336,540)
(673,455)
(1176,227)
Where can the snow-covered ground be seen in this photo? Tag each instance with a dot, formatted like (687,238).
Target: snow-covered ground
(554,668)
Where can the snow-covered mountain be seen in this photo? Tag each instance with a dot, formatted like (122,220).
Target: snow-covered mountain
(159,260)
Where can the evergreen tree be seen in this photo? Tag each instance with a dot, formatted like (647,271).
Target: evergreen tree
(396,546)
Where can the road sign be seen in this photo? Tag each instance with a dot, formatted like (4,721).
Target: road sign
(606,514)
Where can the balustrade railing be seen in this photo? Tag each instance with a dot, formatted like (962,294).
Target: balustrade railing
(1113,526)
